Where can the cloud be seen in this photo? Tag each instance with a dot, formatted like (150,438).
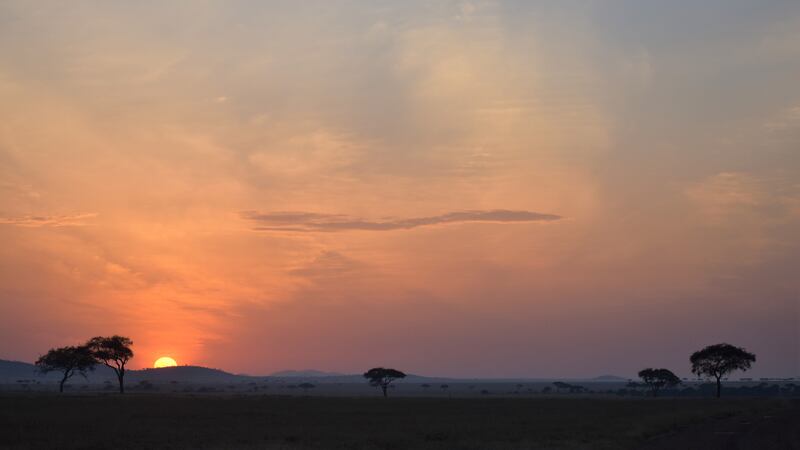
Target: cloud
(47,221)
(328,264)
(314,222)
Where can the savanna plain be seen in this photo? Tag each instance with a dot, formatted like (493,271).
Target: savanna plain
(225,421)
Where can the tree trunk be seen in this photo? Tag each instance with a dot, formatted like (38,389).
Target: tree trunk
(121,385)
(719,387)
(384,387)
(63,380)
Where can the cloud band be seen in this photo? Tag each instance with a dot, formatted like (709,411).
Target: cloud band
(314,222)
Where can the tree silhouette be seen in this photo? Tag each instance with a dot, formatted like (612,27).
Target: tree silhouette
(719,360)
(68,360)
(382,378)
(305,387)
(561,385)
(114,352)
(574,388)
(656,379)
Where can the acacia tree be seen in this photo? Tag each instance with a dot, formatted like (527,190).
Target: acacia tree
(656,379)
(382,378)
(68,360)
(719,360)
(305,387)
(114,352)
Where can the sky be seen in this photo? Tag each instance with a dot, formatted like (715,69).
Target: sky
(453,188)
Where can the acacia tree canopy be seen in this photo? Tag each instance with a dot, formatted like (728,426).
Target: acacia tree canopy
(381,377)
(719,360)
(114,352)
(657,379)
(68,360)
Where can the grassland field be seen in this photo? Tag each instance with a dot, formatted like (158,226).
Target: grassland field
(181,421)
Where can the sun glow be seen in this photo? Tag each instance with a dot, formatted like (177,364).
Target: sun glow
(164,361)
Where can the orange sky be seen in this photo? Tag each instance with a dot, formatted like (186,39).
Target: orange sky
(462,188)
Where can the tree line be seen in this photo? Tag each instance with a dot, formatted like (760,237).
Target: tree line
(714,362)
(114,352)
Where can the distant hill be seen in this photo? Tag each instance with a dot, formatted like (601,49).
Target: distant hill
(16,371)
(185,374)
(308,373)
(609,378)
(13,371)
(319,376)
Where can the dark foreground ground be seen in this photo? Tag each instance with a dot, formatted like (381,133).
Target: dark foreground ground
(142,421)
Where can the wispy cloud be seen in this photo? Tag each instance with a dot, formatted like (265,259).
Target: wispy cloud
(314,222)
(47,221)
(326,265)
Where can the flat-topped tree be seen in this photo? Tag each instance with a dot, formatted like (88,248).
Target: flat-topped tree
(719,360)
(114,352)
(380,377)
(657,379)
(68,360)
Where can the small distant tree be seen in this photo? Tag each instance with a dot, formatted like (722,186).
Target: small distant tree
(717,361)
(561,385)
(114,352)
(444,387)
(306,386)
(382,378)
(657,379)
(576,389)
(68,361)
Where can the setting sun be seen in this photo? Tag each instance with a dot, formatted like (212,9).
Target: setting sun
(164,361)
